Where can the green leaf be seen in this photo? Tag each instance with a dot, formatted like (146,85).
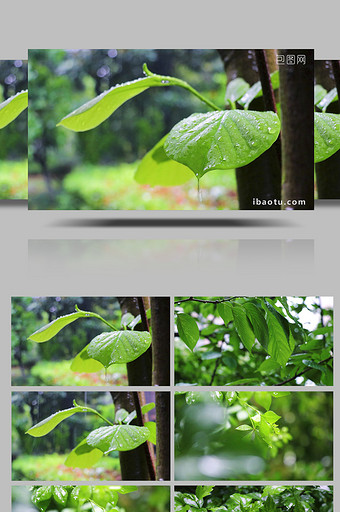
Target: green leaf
(84,363)
(118,437)
(324,102)
(118,346)
(145,409)
(326,135)
(255,90)
(60,494)
(264,399)
(103,495)
(47,332)
(243,327)
(12,107)
(41,497)
(121,415)
(187,330)
(279,346)
(222,139)
(203,490)
(271,417)
(97,110)
(257,319)
(156,168)
(319,93)
(151,426)
(313,364)
(45,426)
(244,427)
(280,394)
(268,365)
(83,456)
(225,310)
(79,495)
(235,90)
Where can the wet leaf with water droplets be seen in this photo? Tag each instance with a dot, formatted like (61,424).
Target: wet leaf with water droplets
(45,426)
(118,437)
(221,140)
(326,135)
(47,332)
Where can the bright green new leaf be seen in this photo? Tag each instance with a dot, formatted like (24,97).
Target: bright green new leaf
(319,93)
(326,135)
(244,427)
(84,363)
(60,494)
(222,139)
(264,399)
(271,417)
(97,110)
(268,366)
(278,346)
(145,409)
(79,495)
(326,100)
(158,169)
(243,327)
(12,107)
(203,490)
(103,495)
(187,330)
(83,456)
(47,332)
(151,426)
(235,90)
(45,426)
(257,319)
(255,90)
(118,437)
(118,346)
(225,310)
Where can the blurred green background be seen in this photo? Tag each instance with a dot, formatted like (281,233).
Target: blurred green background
(13,138)
(42,458)
(95,169)
(35,364)
(145,499)
(207,447)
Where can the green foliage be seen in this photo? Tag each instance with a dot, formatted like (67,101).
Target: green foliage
(99,442)
(100,498)
(253,340)
(13,180)
(326,135)
(12,107)
(252,435)
(267,499)
(105,349)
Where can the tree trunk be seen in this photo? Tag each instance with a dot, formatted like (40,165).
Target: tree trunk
(133,463)
(261,178)
(163,435)
(139,371)
(328,171)
(160,327)
(297,129)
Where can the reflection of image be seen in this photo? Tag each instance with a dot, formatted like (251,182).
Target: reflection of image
(13,129)
(253,435)
(180,147)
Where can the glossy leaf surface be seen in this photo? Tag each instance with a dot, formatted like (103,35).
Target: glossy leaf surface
(118,346)
(48,331)
(326,135)
(117,437)
(45,426)
(221,140)
(12,107)
(188,330)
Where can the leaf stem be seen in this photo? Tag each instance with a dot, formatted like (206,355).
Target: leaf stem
(89,409)
(170,80)
(95,315)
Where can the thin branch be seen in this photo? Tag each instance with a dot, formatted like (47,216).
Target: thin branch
(204,301)
(148,456)
(303,372)
(336,73)
(145,323)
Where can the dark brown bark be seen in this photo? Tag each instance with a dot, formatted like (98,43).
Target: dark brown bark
(139,371)
(163,435)
(147,446)
(160,327)
(261,178)
(297,129)
(328,171)
(133,463)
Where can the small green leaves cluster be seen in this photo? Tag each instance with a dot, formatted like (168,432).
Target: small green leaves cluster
(114,347)
(120,436)
(61,497)
(199,143)
(12,107)
(266,499)
(326,125)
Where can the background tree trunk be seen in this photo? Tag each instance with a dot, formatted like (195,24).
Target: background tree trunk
(261,178)
(163,435)
(160,327)
(297,128)
(139,371)
(328,171)
(133,463)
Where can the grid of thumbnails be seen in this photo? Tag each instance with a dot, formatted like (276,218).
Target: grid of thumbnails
(169,129)
(172,404)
